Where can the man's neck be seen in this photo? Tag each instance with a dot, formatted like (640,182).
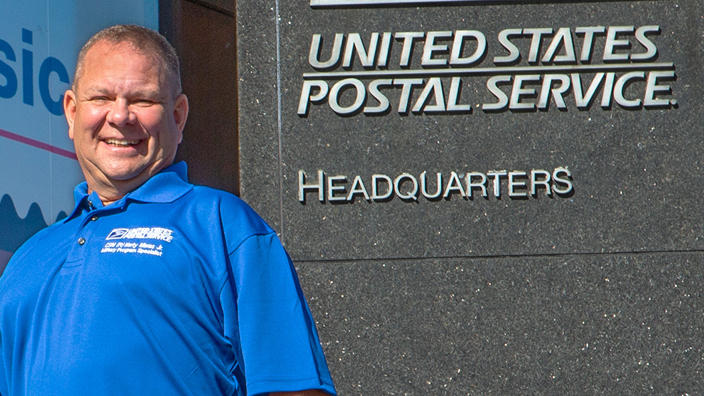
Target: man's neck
(110,191)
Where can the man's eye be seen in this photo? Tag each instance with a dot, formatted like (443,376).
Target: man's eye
(143,102)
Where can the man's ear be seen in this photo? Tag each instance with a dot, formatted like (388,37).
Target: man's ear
(70,110)
(180,114)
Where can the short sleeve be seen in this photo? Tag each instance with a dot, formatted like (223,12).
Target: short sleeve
(3,379)
(268,322)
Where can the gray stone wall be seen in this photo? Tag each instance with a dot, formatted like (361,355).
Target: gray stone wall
(594,288)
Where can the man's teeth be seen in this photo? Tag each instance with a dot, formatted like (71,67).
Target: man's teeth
(121,142)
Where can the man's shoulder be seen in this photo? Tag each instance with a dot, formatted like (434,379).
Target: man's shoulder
(209,197)
(213,193)
(235,215)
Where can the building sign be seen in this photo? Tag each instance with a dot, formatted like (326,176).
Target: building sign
(439,126)
(529,69)
(407,187)
(411,73)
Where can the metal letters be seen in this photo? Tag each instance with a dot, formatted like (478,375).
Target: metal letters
(627,75)
(407,187)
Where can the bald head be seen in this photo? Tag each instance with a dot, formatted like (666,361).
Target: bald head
(146,41)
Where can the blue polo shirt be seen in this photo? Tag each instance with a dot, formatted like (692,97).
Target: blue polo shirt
(173,290)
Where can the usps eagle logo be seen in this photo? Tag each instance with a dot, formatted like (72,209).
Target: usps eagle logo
(117,233)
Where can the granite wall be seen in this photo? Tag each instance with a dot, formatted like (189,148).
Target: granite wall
(485,197)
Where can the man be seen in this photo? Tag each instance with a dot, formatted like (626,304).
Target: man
(152,286)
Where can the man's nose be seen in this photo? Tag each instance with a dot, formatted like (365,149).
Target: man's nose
(120,113)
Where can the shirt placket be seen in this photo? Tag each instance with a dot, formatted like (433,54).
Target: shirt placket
(82,240)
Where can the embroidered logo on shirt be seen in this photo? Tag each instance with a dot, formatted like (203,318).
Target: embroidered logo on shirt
(156,233)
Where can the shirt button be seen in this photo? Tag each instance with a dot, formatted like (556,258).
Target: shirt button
(94,218)
(81,241)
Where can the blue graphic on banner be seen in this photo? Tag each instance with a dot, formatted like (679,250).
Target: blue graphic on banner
(20,229)
(39,43)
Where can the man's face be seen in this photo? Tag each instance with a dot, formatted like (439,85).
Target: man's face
(123,119)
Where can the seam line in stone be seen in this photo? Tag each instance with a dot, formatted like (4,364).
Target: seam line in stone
(502,256)
(279,127)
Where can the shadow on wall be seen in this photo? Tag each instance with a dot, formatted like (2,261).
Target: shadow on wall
(14,230)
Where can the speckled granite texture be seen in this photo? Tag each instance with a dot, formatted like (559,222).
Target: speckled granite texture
(594,292)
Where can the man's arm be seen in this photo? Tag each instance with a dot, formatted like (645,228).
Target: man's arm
(302,393)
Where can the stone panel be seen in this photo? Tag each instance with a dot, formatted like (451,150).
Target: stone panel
(567,325)
(635,171)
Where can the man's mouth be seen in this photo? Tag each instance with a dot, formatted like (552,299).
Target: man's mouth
(122,142)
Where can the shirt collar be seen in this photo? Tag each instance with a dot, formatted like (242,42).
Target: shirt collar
(166,186)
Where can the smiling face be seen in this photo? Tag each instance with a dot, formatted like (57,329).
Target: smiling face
(124,119)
